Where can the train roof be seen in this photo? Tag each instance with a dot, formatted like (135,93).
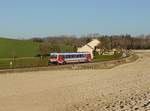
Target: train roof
(69,53)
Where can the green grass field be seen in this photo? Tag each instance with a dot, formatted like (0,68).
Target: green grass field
(23,62)
(25,52)
(99,58)
(17,48)
(10,48)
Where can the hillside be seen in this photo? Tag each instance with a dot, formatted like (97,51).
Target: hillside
(18,48)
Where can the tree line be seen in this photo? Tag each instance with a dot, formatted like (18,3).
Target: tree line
(70,43)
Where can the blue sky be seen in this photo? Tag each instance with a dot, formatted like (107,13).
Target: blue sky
(38,18)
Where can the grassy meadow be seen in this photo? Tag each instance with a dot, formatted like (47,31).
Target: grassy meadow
(99,58)
(24,53)
(17,48)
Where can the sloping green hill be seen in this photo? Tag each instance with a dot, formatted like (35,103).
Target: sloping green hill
(17,48)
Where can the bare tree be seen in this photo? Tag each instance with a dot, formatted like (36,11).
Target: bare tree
(44,49)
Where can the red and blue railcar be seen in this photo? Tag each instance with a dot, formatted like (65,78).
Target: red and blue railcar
(63,58)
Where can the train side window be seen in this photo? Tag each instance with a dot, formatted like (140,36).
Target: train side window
(75,56)
(67,56)
(64,56)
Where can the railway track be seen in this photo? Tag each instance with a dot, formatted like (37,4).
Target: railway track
(77,66)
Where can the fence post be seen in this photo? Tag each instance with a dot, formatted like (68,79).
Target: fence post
(11,64)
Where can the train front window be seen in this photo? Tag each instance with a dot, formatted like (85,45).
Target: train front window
(53,56)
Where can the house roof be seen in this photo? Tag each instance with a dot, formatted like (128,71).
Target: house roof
(93,43)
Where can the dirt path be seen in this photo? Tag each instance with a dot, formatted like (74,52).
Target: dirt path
(123,88)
